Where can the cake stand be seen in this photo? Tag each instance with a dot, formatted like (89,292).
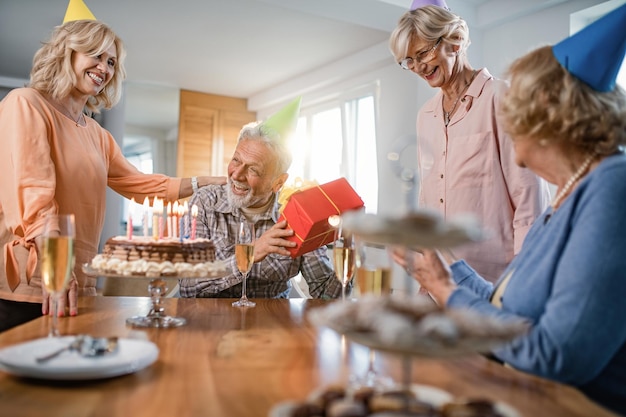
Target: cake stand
(413,230)
(157,288)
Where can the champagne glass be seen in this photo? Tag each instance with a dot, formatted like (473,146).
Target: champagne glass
(244,256)
(57,261)
(157,317)
(344,257)
(373,276)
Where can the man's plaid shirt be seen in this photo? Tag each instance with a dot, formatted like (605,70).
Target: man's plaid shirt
(217,220)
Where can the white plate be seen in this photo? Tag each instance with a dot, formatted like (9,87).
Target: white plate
(132,355)
(438,397)
(431,395)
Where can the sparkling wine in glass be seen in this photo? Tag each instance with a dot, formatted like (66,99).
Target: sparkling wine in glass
(373,276)
(244,257)
(57,261)
(344,258)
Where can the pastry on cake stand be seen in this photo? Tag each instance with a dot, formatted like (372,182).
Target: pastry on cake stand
(412,326)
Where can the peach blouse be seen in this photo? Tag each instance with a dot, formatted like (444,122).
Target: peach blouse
(49,165)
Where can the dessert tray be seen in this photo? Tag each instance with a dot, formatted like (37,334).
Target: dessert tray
(422,400)
(423,228)
(132,355)
(415,326)
(116,268)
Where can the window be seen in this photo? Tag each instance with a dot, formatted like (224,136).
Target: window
(338,139)
(143,162)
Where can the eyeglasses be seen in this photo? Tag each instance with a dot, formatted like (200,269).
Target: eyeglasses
(420,58)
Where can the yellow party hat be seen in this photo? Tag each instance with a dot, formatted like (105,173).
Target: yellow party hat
(285,120)
(77,10)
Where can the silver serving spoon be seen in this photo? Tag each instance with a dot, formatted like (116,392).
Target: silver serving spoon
(86,346)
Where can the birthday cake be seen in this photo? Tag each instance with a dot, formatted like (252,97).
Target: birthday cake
(144,256)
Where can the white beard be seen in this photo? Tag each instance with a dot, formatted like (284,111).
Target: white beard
(242,201)
(237,201)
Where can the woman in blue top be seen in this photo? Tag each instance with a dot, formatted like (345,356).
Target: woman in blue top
(569,279)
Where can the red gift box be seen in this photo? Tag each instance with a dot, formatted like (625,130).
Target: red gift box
(307,213)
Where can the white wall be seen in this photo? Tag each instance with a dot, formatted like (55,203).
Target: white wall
(503,43)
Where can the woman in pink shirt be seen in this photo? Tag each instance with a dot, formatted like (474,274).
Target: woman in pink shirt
(466,162)
(56,159)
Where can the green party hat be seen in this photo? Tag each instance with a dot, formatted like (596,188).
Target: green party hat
(284,121)
(77,10)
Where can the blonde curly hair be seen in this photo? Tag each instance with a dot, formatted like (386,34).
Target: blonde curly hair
(52,71)
(545,102)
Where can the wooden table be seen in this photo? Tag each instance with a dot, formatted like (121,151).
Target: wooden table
(240,362)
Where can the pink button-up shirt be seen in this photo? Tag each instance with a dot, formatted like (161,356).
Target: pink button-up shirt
(469,167)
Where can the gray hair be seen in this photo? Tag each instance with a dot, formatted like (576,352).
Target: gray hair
(257,131)
(545,101)
(428,23)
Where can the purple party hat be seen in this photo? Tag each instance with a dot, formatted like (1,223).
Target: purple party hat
(421,3)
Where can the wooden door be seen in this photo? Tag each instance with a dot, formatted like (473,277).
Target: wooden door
(208,129)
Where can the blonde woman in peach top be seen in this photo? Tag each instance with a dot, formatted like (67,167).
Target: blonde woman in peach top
(57,159)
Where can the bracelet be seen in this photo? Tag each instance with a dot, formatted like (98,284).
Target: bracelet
(194,184)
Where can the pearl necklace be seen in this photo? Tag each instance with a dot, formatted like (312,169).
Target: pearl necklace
(571,181)
(447,114)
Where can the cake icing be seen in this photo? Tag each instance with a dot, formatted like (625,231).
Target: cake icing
(144,256)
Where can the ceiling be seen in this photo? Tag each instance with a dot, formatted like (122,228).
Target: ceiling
(237,48)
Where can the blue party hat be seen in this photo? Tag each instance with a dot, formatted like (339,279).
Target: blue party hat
(595,54)
(421,3)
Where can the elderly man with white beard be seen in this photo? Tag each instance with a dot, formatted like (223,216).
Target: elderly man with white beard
(256,173)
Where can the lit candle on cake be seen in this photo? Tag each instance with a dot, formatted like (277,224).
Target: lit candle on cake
(146,208)
(175,219)
(194,222)
(155,219)
(129,222)
(169,219)
(181,215)
(161,213)
(186,215)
